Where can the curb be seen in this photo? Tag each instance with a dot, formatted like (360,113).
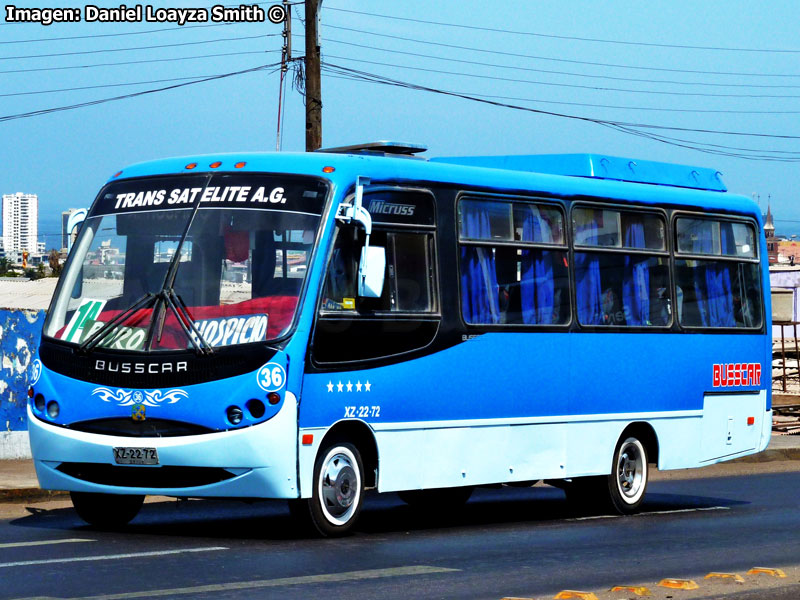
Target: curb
(28,494)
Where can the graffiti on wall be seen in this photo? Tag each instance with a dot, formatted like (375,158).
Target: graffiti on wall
(20,331)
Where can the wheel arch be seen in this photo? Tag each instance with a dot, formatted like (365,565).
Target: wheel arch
(362,437)
(645,433)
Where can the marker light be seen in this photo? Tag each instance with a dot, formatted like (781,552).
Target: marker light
(215,165)
(191,166)
(30,391)
(117,174)
(239,165)
(235,415)
(53,409)
(39,402)
(308,439)
(751,420)
(328,169)
(273,397)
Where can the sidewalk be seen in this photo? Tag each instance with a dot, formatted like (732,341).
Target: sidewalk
(18,478)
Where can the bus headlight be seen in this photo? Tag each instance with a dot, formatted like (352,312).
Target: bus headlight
(39,402)
(53,409)
(235,415)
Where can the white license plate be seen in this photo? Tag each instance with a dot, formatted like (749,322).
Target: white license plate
(136,456)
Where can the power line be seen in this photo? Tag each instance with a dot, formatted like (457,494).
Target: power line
(45,111)
(567,37)
(138,62)
(105,35)
(628,128)
(107,85)
(562,60)
(83,52)
(553,72)
(568,85)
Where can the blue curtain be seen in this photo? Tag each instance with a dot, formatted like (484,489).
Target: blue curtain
(537,285)
(712,281)
(587,280)
(636,281)
(479,290)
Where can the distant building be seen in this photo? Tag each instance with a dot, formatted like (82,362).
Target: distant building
(772,241)
(20,223)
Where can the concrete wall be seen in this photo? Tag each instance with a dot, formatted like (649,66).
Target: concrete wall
(20,331)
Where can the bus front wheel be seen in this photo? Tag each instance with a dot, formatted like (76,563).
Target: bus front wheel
(106,510)
(338,490)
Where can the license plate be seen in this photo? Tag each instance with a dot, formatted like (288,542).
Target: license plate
(136,456)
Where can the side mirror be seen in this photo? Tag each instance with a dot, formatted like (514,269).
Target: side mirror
(371,269)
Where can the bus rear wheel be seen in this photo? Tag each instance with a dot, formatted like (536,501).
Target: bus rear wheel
(106,510)
(627,482)
(338,491)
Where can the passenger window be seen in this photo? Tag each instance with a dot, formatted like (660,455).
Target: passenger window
(615,287)
(521,281)
(723,291)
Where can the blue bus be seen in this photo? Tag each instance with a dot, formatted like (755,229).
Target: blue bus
(310,326)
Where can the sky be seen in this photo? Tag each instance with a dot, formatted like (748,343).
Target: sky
(659,80)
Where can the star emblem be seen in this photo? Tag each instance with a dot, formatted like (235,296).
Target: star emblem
(330,386)
(349,387)
(339,386)
(358,386)
(367,386)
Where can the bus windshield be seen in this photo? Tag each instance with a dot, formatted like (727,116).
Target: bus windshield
(232,250)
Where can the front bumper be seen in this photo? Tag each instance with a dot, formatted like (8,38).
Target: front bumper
(259,461)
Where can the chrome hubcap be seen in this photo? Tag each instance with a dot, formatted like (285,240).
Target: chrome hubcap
(630,470)
(339,485)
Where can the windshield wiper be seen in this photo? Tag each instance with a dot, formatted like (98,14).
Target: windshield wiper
(94,339)
(179,308)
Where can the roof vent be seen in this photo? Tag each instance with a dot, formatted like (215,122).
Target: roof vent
(381,148)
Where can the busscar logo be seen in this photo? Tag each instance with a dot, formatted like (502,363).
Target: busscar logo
(379,207)
(140,368)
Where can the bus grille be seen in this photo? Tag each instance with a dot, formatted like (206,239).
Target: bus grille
(127,427)
(145,477)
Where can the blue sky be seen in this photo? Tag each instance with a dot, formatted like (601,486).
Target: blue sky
(553,56)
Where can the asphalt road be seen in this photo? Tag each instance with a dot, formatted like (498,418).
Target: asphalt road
(506,542)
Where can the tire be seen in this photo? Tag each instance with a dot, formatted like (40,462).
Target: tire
(622,491)
(627,482)
(436,499)
(106,510)
(338,491)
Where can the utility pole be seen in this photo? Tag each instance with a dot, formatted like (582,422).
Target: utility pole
(286,58)
(313,83)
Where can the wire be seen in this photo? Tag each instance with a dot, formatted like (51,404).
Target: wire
(139,62)
(566,37)
(104,35)
(45,111)
(569,73)
(628,128)
(107,85)
(568,85)
(236,39)
(562,60)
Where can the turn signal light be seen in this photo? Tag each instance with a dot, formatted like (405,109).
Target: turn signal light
(273,397)
(191,166)
(214,165)
(328,169)
(30,391)
(239,165)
